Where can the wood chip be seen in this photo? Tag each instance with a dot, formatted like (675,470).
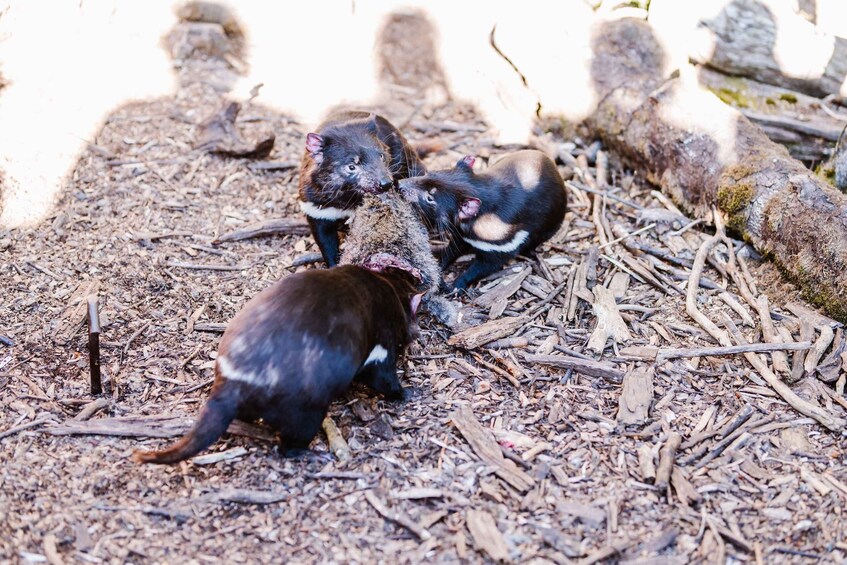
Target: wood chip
(487,449)
(396,517)
(609,321)
(486,536)
(636,397)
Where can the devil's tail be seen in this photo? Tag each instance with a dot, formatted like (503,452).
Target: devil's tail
(215,417)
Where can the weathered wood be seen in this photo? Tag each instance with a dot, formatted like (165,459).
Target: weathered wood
(610,324)
(487,449)
(714,156)
(583,366)
(636,397)
(279,226)
(486,536)
(762,39)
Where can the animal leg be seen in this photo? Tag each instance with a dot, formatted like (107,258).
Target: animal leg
(382,377)
(454,249)
(325,233)
(484,264)
(298,430)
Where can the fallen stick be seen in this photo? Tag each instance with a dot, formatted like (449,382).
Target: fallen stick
(281,226)
(396,517)
(770,335)
(28,425)
(666,460)
(337,443)
(803,406)
(821,345)
(198,267)
(583,366)
(738,308)
(665,354)
(502,372)
(91,409)
(94,345)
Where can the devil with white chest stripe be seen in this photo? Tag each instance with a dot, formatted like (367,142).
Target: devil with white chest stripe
(511,208)
(351,154)
(296,346)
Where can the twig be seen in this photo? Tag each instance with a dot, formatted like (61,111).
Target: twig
(579,186)
(337,443)
(198,267)
(769,333)
(28,425)
(665,354)
(803,406)
(502,372)
(91,409)
(636,232)
(737,307)
(264,228)
(583,366)
(396,517)
(666,459)
(94,345)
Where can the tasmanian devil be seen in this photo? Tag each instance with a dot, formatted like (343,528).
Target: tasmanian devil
(298,345)
(351,154)
(511,208)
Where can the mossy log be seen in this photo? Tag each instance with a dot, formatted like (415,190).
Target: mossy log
(766,40)
(703,153)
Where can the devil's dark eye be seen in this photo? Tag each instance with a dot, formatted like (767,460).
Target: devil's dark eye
(351,167)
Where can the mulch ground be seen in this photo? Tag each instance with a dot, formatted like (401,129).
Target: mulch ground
(490,457)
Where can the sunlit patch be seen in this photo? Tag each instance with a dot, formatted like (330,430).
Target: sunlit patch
(529,173)
(490,227)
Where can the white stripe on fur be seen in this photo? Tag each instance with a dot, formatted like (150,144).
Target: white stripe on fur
(378,354)
(511,245)
(327,213)
(229,372)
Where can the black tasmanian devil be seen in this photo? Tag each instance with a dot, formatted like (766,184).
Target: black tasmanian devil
(511,208)
(298,345)
(350,154)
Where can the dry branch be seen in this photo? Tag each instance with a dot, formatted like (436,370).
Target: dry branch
(715,156)
(582,366)
(280,226)
(665,354)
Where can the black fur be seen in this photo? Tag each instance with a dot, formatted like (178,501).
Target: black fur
(351,154)
(304,339)
(453,201)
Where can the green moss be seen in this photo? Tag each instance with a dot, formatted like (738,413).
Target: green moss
(770,101)
(733,199)
(826,171)
(788,97)
(733,97)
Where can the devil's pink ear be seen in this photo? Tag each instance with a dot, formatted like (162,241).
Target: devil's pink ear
(416,302)
(469,208)
(467,161)
(314,144)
